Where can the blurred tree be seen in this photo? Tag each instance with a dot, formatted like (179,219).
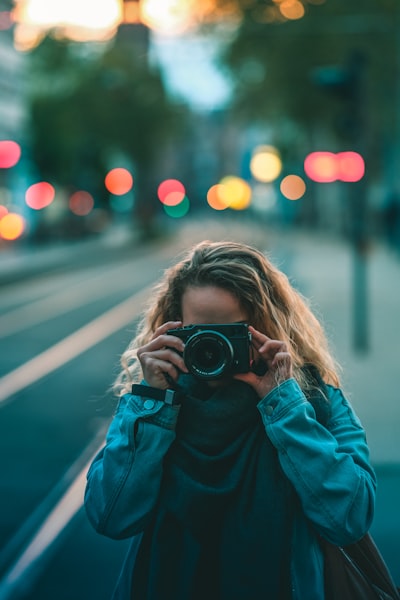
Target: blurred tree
(89,105)
(274,62)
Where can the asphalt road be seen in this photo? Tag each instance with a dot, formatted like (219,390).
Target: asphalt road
(60,338)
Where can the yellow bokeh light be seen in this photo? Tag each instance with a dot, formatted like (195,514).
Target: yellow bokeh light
(12,226)
(234,192)
(90,14)
(293,187)
(80,20)
(266,164)
(167,16)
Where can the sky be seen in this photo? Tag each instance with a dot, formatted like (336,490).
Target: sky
(186,59)
(190,66)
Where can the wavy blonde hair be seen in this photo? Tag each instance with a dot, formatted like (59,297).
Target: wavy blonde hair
(265,294)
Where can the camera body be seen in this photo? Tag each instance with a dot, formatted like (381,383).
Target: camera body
(213,351)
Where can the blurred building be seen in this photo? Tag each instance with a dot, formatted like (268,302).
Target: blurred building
(13,109)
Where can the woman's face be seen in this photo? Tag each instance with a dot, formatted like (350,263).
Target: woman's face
(210,304)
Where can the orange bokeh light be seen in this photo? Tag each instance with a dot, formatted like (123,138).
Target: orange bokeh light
(119,181)
(293,187)
(10,153)
(39,195)
(292,9)
(12,226)
(215,198)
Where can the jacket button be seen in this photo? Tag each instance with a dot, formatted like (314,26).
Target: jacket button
(269,410)
(148,404)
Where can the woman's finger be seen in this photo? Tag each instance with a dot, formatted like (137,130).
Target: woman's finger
(166,327)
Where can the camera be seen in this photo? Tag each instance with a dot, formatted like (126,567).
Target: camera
(215,351)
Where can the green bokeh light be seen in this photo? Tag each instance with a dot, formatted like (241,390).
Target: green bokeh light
(179,210)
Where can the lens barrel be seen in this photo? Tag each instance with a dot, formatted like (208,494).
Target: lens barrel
(208,354)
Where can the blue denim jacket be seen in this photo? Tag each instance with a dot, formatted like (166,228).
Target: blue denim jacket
(328,466)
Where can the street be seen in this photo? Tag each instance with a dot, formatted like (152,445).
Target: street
(61,335)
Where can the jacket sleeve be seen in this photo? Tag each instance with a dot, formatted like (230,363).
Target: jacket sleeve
(124,478)
(328,466)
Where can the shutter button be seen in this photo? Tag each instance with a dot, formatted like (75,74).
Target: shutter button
(148,404)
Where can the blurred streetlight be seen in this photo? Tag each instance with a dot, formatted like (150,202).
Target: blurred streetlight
(265,164)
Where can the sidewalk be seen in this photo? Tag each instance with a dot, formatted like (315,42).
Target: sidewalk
(322,269)
(19,262)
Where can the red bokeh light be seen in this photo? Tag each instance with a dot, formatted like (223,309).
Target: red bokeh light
(321,166)
(3,211)
(351,166)
(10,153)
(171,192)
(39,195)
(325,167)
(118,181)
(81,203)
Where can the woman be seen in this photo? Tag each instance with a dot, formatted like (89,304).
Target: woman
(226,479)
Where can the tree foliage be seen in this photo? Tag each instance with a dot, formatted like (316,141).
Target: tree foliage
(90,105)
(274,62)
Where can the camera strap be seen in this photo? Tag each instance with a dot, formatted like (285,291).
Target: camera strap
(168,396)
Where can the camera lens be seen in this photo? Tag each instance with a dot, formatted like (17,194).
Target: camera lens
(208,354)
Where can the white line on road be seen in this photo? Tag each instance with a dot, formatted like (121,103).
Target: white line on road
(70,347)
(57,304)
(27,567)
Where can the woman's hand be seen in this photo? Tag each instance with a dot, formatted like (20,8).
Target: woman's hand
(277,360)
(159,358)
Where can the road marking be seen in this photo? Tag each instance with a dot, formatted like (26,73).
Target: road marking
(70,347)
(57,304)
(25,570)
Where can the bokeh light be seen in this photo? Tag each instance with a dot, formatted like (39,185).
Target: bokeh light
(321,167)
(80,20)
(81,203)
(81,13)
(293,187)
(3,211)
(235,192)
(215,197)
(39,195)
(12,226)
(325,167)
(171,192)
(167,16)
(265,164)
(178,210)
(119,181)
(10,153)
(292,9)
(351,166)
